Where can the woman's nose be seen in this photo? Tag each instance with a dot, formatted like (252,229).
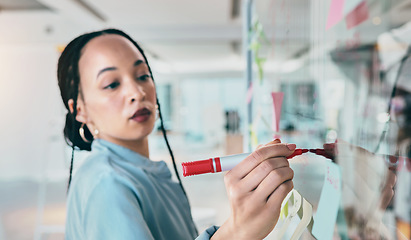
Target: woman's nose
(136,93)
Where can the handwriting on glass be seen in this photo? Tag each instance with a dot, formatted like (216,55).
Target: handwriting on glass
(335,182)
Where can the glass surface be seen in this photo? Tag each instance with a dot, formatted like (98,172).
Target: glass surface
(342,65)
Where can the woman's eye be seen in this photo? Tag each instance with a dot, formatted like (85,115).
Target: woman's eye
(144,77)
(112,85)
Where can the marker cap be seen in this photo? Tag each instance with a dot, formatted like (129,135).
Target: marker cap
(197,167)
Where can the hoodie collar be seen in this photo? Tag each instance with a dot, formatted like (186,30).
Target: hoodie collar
(158,168)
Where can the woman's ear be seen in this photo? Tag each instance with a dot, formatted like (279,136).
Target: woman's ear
(81,115)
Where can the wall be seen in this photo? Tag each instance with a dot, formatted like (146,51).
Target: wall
(32,115)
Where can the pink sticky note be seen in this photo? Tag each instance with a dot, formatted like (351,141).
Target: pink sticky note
(276,136)
(335,14)
(350,5)
(250,93)
(357,16)
(277,103)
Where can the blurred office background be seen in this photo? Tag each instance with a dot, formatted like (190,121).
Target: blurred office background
(337,79)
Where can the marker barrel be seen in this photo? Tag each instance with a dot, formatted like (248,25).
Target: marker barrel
(221,164)
(212,165)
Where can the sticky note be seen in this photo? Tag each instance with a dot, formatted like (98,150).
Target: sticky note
(277,103)
(250,93)
(357,16)
(335,13)
(350,5)
(60,48)
(326,214)
(253,136)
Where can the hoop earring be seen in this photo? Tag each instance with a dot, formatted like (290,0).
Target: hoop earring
(81,132)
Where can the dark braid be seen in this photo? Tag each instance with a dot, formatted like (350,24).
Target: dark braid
(168,146)
(71,167)
(160,115)
(69,84)
(162,125)
(163,129)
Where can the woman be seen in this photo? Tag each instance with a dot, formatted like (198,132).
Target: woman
(118,193)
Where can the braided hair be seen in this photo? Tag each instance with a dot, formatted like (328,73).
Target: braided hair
(69,83)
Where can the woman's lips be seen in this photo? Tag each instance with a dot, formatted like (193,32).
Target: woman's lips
(141,115)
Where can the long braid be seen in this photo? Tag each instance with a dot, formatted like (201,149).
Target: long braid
(71,166)
(173,160)
(164,130)
(161,117)
(169,148)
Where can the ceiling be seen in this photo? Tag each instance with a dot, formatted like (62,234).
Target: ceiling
(13,5)
(181,36)
(184,35)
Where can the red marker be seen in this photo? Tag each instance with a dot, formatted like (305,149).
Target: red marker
(221,164)
(297,152)
(321,152)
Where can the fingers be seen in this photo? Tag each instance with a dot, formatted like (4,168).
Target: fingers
(277,197)
(392,162)
(258,174)
(330,149)
(329,146)
(391,179)
(270,150)
(275,141)
(387,193)
(272,182)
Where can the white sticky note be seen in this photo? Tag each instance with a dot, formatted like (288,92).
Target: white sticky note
(326,214)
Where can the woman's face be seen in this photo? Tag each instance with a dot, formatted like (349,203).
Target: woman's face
(118,96)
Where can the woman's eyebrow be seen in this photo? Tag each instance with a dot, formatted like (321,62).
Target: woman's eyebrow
(105,70)
(138,62)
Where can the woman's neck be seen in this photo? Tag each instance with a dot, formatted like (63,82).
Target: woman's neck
(139,146)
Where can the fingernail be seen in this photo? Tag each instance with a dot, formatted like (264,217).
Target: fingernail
(291,146)
(277,140)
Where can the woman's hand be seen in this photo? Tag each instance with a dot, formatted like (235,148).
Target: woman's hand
(256,188)
(363,161)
